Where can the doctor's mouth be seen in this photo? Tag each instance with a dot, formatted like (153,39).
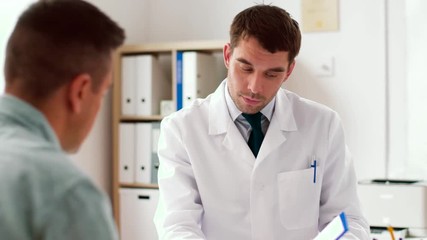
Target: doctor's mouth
(252,100)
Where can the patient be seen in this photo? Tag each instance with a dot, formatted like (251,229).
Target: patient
(57,69)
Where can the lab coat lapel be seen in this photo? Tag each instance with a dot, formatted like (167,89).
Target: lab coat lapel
(282,122)
(220,123)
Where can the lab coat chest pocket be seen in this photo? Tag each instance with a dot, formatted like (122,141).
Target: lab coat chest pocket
(299,197)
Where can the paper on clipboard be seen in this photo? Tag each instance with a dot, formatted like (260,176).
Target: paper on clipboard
(335,229)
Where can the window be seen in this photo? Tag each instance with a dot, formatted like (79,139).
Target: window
(408,87)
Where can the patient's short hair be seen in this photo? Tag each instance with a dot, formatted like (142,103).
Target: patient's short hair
(56,40)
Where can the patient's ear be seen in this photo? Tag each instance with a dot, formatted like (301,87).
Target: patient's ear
(78,90)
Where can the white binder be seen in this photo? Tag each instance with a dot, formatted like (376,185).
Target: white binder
(126,152)
(199,77)
(152,85)
(137,208)
(143,153)
(128,97)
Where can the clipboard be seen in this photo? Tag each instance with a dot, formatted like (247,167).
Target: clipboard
(335,229)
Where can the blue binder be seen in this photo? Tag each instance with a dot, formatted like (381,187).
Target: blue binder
(179,80)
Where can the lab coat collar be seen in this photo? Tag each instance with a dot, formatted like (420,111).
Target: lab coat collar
(283,112)
(221,122)
(220,118)
(283,119)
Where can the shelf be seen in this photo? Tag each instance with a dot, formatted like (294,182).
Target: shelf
(216,45)
(141,118)
(138,185)
(166,53)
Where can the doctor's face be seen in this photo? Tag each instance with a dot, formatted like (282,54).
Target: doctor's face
(254,74)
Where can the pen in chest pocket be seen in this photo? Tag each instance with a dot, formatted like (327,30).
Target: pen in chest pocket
(313,164)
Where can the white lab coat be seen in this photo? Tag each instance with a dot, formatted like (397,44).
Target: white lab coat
(212,187)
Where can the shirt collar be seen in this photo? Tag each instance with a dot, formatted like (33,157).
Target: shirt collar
(28,117)
(267,111)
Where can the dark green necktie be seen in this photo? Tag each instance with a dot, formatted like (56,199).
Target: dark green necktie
(256,136)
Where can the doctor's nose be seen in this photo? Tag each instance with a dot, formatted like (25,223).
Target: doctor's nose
(255,83)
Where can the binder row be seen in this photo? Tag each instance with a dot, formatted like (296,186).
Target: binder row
(195,77)
(144,85)
(138,160)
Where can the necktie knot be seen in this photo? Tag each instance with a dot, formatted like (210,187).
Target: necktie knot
(253,119)
(256,136)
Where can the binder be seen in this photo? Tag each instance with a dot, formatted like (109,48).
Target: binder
(126,152)
(137,209)
(147,160)
(152,85)
(128,97)
(199,77)
(143,153)
(155,134)
(179,80)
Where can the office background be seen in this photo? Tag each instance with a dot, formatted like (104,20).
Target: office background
(369,70)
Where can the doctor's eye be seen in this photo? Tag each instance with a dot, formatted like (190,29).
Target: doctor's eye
(246,69)
(272,74)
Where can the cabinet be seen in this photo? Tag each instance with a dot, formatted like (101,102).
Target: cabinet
(135,206)
(128,118)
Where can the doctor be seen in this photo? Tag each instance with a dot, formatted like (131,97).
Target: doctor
(224,175)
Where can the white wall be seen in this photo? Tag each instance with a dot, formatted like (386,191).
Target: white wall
(397,88)
(408,114)
(192,19)
(132,15)
(416,80)
(356,88)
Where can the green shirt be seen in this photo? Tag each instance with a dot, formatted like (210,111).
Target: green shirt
(42,194)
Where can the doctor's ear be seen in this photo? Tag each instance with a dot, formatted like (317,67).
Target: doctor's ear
(290,69)
(226,54)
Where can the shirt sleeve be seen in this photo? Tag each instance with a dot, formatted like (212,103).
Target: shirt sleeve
(83,213)
(179,210)
(339,190)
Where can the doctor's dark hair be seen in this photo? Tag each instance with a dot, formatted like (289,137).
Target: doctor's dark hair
(272,26)
(56,40)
